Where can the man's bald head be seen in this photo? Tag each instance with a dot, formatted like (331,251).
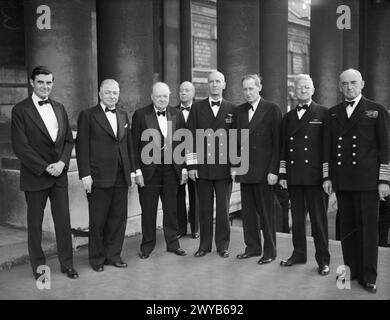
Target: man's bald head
(351,83)
(186,93)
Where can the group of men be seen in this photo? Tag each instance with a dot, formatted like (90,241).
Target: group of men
(311,151)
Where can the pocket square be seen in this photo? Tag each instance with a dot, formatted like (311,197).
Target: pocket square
(126,125)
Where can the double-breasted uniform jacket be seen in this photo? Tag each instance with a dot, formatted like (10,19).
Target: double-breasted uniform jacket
(99,151)
(35,148)
(304,157)
(146,118)
(214,164)
(264,140)
(360,146)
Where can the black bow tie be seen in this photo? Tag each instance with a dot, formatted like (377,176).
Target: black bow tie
(250,107)
(42,102)
(185,108)
(161,113)
(215,103)
(304,107)
(110,110)
(349,103)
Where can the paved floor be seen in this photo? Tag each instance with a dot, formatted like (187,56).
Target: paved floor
(165,276)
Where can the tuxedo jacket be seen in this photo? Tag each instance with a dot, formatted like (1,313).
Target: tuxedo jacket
(264,140)
(304,157)
(99,152)
(146,118)
(360,146)
(211,165)
(35,148)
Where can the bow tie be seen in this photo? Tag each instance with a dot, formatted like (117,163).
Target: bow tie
(161,113)
(41,103)
(304,107)
(349,103)
(215,103)
(110,110)
(250,107)
(185,108)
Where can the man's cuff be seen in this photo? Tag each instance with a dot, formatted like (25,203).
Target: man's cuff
(184,171)
(138,172)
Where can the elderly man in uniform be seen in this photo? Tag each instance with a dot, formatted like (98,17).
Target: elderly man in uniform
(360,175)
(305,135)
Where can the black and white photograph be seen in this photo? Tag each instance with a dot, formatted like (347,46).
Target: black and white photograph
(194,155)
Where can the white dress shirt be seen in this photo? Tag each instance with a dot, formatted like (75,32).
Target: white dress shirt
(254,106)
(48,116)
(351,109)
(301,112)
(215,109)
(186,113)
(162,122)
(111,117)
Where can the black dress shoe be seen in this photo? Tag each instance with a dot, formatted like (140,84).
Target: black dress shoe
(324,270)
(200,253)
(178,252)
(265,260)
(370,287)
(290,262)
(70,272)
(143,255)
(245,255)
(98,268)
(118,264)
(195,235)
(224,254)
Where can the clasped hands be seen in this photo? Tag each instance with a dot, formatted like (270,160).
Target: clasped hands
(55,169)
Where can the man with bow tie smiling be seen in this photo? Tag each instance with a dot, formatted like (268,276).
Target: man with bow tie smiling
(42,140)
(104,157)
(305,136)
(158,176)
(360,174)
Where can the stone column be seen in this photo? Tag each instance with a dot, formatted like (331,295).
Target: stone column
(273,50)
(171,47)
(238,43)
(375,46)
(59,35)
(351,41)
(125,48)
(326,55)
(185,40)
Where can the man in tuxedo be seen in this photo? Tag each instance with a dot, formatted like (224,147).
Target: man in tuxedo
(360,175)
(42,140)
(104,157)
(305,135)
(211,172)
(158,173)
(263,119)
(187,94)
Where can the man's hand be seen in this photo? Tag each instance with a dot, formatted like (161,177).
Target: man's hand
(384,191)
(87,184)
(184,178)
(139,180)
(272,179)
(283,183)
(193,174)
(132,181)
(55,169)
(327,186)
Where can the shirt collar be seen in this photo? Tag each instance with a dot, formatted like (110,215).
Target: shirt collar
(155,109)
(211,100)
(182,105)
(104,106)
(357,100)
(36,99)
(308,104)
(254,105)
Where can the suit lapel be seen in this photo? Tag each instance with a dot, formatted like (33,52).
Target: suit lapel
(221,115)
(36,118)
(357,114)
(207,112)
(152,123)
(121,120)
(171,118)
(103,121)
(60,120)
(307,116)
(258,116)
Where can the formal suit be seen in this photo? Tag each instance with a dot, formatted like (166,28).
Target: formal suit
(107,158)
(193,212)
(213,171)
(303,158)
(161,177)
(36,149)
(360,156)
(257,197)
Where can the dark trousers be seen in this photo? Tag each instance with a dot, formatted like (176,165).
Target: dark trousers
(206,189)
(163,184)
(59,202)
(359,232)
(193,212)
(384,222)
(314,200)
(258,201)
(107,221)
